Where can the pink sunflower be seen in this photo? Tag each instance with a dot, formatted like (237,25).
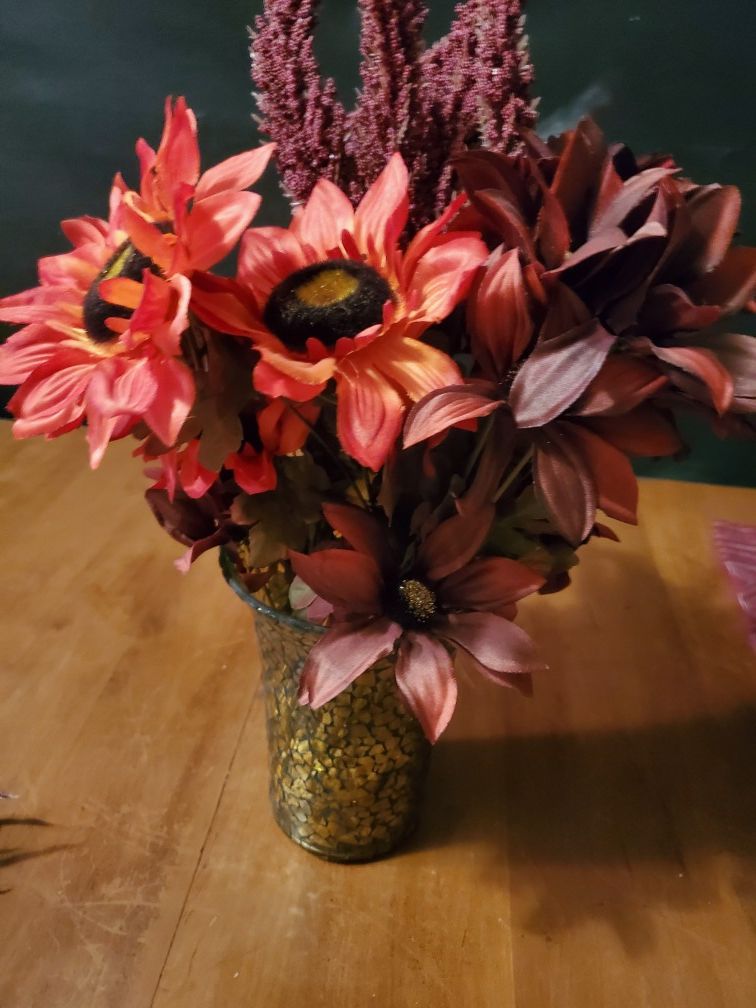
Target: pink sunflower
(184,220)
(335,297)
(445,600)
(101,341)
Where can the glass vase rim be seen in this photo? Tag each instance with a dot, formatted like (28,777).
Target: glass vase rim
(229,573)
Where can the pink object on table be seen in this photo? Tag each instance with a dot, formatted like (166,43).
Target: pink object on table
(736,545)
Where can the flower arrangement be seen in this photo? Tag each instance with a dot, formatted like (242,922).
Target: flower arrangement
(405,411)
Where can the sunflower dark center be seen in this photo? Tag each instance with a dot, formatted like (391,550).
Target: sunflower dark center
(127,262)
(331,299)
(417,603)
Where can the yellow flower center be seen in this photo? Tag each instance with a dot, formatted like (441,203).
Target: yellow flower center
(327,288)
(327,301)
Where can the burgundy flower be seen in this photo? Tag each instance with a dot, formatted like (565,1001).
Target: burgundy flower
(645,254)
(444,599)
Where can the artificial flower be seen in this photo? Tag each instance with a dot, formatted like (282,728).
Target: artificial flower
(181,219)
(334,297)
(646,253)
(446,599)
(101,341)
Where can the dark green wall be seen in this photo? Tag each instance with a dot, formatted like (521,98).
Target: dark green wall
(80,80)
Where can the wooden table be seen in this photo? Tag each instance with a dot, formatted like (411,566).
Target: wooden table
(595,846)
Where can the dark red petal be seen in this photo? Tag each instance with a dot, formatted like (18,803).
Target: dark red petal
(564,484)
(444,408)
(499,315)
(501,646)
(645,432)
(425,677)
(669,309)
(488,584)
(732,284)
(621,385)
(633,192)
(505,218)
(714,211)
(578,168)
(364,532)
(558,372)
(350,581)
(613,476)
(737,351)
(702,364)
(345,652)
(497,454)
(455,542)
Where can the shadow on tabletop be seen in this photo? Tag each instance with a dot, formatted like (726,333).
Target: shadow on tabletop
(14,855)
(591,826)
(611,824)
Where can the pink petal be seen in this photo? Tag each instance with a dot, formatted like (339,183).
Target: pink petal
(145,236)
(381,216)
(253,471)
(345,652)
(81,230)
(177,161)
(412,366)
(52,397)
(325,216)
(443,276)
(498,644)
(173,399)
(488,584)
(235,173)
(350,581)
(24,351)
(215,225)
(369,417)
(444,408)
(267,255)
(558,372)
(425,677)
(222,304)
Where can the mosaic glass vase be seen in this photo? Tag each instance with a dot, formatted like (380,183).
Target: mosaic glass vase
(346,780)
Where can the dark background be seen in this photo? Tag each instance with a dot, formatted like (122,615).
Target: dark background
(80,80)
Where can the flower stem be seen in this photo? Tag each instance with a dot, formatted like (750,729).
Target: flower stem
(350,475)
(513,475)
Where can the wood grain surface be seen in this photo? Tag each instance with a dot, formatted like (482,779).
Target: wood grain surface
(593,846)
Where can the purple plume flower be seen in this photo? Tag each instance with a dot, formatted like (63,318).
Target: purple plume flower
(471,89)
(298,109)
(385,119)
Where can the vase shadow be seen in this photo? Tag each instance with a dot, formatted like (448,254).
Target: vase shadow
(658,809)
(602,824)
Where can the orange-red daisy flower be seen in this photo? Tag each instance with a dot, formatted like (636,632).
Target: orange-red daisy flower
(334,297)
(100,342)
(184,220)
